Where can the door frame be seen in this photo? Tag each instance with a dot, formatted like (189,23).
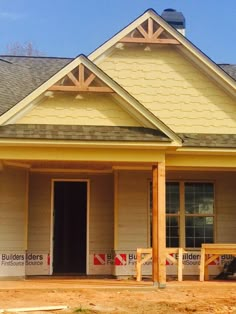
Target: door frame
(53,180)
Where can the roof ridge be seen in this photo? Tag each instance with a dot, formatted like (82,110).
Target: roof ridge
(35,57)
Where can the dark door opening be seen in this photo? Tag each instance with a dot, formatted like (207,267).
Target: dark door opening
(70,227)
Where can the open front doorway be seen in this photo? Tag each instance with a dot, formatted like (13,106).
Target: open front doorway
(70,227)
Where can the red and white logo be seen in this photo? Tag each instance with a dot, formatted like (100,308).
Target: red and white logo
(99,259)
(215,261)
(120,260)
(168,262)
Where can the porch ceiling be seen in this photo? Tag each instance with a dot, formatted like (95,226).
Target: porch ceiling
(71,166)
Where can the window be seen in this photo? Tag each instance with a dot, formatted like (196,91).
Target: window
(199,213)
(172,214)
(189,213)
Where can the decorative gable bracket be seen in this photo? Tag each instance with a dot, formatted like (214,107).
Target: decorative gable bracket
(149,32)
(81,79)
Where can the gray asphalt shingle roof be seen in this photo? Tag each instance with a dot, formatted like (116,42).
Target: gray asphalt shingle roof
(229,69)
(208,140)
(82,133)
(19,76)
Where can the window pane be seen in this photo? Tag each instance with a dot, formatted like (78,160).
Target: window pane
(199,198)
(172,197)
(198,230)
(172,231)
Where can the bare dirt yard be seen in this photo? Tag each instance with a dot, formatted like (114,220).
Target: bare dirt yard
(119,296)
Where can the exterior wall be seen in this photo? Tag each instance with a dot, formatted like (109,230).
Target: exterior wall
(132,210)
(13,209)
(132,223)
(100,217)
(13,195)
(173,89)
(85,109)
(225,199)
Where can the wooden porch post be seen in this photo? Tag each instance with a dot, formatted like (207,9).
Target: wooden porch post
(158,226)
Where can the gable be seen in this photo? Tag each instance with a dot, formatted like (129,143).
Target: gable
(173,88)
(152,30)
(78,109)
(81,76)
(78,98)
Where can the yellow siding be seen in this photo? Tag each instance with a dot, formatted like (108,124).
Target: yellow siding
(100,210)
(12,209)
(173,89)
(132,211)
(83,109)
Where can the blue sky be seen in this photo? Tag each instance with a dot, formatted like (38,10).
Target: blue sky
(67,28)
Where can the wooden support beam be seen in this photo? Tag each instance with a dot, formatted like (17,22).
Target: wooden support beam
(81,74)
(158,226)
(34,309)
(73,78)
(142,31)
(211,251)
(90,79)
(158,32)
(136,40)
(97,89)
(145,254)
(150,28)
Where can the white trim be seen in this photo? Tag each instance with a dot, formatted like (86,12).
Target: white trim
(53,180)
(88,144)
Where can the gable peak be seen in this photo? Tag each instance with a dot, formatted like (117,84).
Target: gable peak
(80,79)
(149,32)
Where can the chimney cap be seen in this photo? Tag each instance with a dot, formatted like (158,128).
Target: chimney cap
(174,18)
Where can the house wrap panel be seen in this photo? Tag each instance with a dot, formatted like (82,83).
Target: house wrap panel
(13,193)
(81,109)
(174,89)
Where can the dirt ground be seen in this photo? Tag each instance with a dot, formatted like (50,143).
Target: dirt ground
(119,296)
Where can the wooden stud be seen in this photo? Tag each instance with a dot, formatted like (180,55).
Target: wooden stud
(180,265)
(81,74)
(97,89)
(90,79)
(73,78)
(158,32)
(145,254)
(166,41)
(150,28)
(142,31)
(215,250)
(158,226)
(37,308)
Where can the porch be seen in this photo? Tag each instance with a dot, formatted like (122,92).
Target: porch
(119,215)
